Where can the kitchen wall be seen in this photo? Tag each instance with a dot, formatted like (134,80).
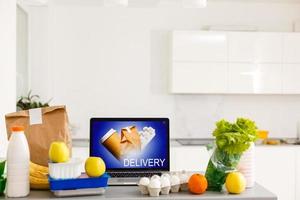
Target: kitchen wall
(7,65)
(22,52)
(114,62)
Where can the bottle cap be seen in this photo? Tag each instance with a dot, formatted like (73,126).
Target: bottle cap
(17,128)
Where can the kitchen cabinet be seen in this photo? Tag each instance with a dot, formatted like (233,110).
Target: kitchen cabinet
(199,46)
(291,48)
(291,80)
(254,78)
(276,170)
(186,77)
(298,173)
(235,62)
(276,167)
(189,158)
(257,47)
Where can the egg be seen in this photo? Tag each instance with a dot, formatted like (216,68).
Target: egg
(183,178)
(165,175)
(155,177)
(144,181)
(175,180)
(154,183)
(165,182)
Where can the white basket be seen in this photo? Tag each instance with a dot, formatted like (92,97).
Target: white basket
(67,170)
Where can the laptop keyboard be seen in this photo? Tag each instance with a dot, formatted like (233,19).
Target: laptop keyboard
(130,174)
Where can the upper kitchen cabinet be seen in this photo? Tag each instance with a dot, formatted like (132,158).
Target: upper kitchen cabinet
(291,48)
(290,78)
(192,77)
(199,46)
(251,78)
(291,63)
(235,62)
(255,47)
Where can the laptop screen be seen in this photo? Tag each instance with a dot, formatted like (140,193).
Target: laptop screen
(128,143)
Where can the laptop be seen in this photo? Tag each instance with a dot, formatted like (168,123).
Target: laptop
(131,147)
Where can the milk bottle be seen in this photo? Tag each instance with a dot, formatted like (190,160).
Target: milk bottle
(17,164)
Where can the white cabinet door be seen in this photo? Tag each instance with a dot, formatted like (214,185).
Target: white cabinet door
(291,48)
(191,77)
(268,48)
(189,158)
(199,46)
(241,47)
(255,47)
(291,78)
(254,78)
(298,174)
(275,170)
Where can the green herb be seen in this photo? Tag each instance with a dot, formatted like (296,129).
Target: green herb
(30,101)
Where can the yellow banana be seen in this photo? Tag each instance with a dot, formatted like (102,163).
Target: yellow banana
(38,183)
(39,168)
(36,180)
(39,186)
(38,176)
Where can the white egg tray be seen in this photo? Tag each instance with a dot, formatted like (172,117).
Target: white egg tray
(66,170)
(157,185)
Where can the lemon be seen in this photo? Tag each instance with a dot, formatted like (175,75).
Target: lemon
(59,152)
(235,183)
(94,166)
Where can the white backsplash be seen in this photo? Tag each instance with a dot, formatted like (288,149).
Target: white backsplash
(195,115)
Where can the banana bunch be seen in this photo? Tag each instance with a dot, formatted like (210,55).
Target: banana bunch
(38,176)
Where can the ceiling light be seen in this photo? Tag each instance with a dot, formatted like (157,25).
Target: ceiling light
(33,2)
(194,3)
(116,3)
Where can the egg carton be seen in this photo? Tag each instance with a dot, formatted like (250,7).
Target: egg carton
(164,184)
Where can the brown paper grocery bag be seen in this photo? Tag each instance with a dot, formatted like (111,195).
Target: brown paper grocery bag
(53,127)
(130,140)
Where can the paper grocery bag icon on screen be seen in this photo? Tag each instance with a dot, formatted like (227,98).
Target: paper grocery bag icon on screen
(130,140)
(112,142)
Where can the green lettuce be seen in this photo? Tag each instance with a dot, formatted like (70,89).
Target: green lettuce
(235,138)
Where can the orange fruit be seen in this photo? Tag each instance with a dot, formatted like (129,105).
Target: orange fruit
(197,184)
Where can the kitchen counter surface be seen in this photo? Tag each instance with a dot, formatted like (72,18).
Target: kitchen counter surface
(131,192)
(181,142)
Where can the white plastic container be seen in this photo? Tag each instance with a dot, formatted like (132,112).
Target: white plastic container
(67,170)
(18,158)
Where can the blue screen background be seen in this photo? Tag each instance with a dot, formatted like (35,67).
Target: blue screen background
(157,148)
